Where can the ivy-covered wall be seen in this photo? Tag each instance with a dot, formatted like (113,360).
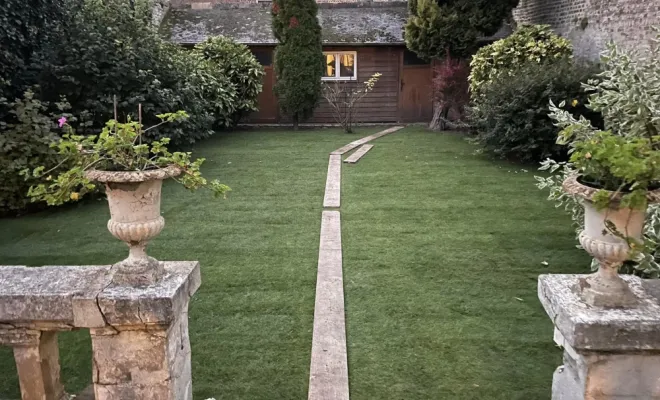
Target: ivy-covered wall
(590,24)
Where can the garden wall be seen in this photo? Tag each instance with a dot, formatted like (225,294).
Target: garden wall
(590,24)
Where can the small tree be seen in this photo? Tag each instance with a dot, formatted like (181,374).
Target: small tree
(436,28)
(450,93)
(449,30)
(298,57)
(344,97)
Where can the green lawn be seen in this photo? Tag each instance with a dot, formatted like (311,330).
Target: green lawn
(441,253)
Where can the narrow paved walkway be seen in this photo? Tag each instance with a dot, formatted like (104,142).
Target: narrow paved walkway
(328,375)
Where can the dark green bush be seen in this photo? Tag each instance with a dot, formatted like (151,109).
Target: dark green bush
(108,48)
(237,63)
(510,117)
(24,143)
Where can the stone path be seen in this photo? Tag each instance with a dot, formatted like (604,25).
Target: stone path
(333,183)
(328,375)
(359,153)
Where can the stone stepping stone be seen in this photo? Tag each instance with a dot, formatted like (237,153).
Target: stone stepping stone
(355,157)
(333,183)
(328,375)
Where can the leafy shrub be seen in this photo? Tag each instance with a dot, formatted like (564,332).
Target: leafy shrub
(528,44)
(623,157)
(510,118)
(108,48)
(236,62)
(24,143)
(24,29)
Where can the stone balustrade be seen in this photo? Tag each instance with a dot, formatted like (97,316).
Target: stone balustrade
(140,343)
(609,353)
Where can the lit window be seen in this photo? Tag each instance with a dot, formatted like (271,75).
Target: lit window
(340,65)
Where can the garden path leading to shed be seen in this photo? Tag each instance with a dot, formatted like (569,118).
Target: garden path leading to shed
(440,250)
(328,375)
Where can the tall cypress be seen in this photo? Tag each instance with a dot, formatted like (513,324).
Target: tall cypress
(298,57)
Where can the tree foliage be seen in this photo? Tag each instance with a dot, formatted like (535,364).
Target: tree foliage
(528,44)
(298,57)
(236,62)
(436,28)
(510,117)
(23,30)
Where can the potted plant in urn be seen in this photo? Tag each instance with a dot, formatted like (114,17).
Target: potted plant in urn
(615,172)
(133,173)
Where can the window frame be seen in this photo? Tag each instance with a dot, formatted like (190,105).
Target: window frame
(337,66)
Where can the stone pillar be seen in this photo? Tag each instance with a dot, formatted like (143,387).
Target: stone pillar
(37,362)
(609,353)
(144,351)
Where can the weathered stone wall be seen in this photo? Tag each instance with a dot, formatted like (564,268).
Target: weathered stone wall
(206,4)
(590,24)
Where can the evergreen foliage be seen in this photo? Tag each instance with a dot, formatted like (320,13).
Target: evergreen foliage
(298,57)
(437,28)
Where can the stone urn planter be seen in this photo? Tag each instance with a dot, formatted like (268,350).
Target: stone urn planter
(134,200)
(605,288)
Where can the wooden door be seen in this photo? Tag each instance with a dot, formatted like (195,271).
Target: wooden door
(416,92)
(267,102)
(416,103)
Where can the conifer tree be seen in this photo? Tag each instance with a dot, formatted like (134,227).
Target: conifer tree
(298,57)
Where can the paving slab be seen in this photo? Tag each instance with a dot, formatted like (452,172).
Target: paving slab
(360,142)
(332,196)
(359,153)
(328,377)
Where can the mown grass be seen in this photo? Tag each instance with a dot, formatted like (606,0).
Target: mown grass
(251,321)
(442,249)
(441,253)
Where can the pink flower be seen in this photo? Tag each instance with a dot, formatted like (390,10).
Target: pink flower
(62,121)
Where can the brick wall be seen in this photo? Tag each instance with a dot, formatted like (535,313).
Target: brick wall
(590,24)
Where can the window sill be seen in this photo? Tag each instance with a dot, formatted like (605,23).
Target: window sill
(331,79)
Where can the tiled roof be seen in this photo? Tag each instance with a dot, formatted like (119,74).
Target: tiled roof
(252,25)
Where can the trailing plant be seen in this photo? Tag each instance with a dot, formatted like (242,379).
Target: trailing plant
(450,93)
(118,147)
(24,142)
(622,158)
(510,117)
(529,43)
(236,62)
(298,57)
(343,97)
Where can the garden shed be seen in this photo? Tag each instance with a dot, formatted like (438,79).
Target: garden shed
(359,39)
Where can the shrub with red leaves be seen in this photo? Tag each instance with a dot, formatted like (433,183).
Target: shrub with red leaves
(293,22)
(275,9)
(450,91)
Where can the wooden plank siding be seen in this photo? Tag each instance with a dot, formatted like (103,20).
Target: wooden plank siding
(380,105)
(383,105)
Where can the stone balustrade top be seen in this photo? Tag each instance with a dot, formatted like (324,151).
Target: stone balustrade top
(67,297)
(589,328)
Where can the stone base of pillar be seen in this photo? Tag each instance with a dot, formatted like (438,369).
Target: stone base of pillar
(609,353)
(141,349)
(144,352)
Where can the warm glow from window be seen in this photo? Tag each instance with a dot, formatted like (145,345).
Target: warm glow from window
(340,65)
